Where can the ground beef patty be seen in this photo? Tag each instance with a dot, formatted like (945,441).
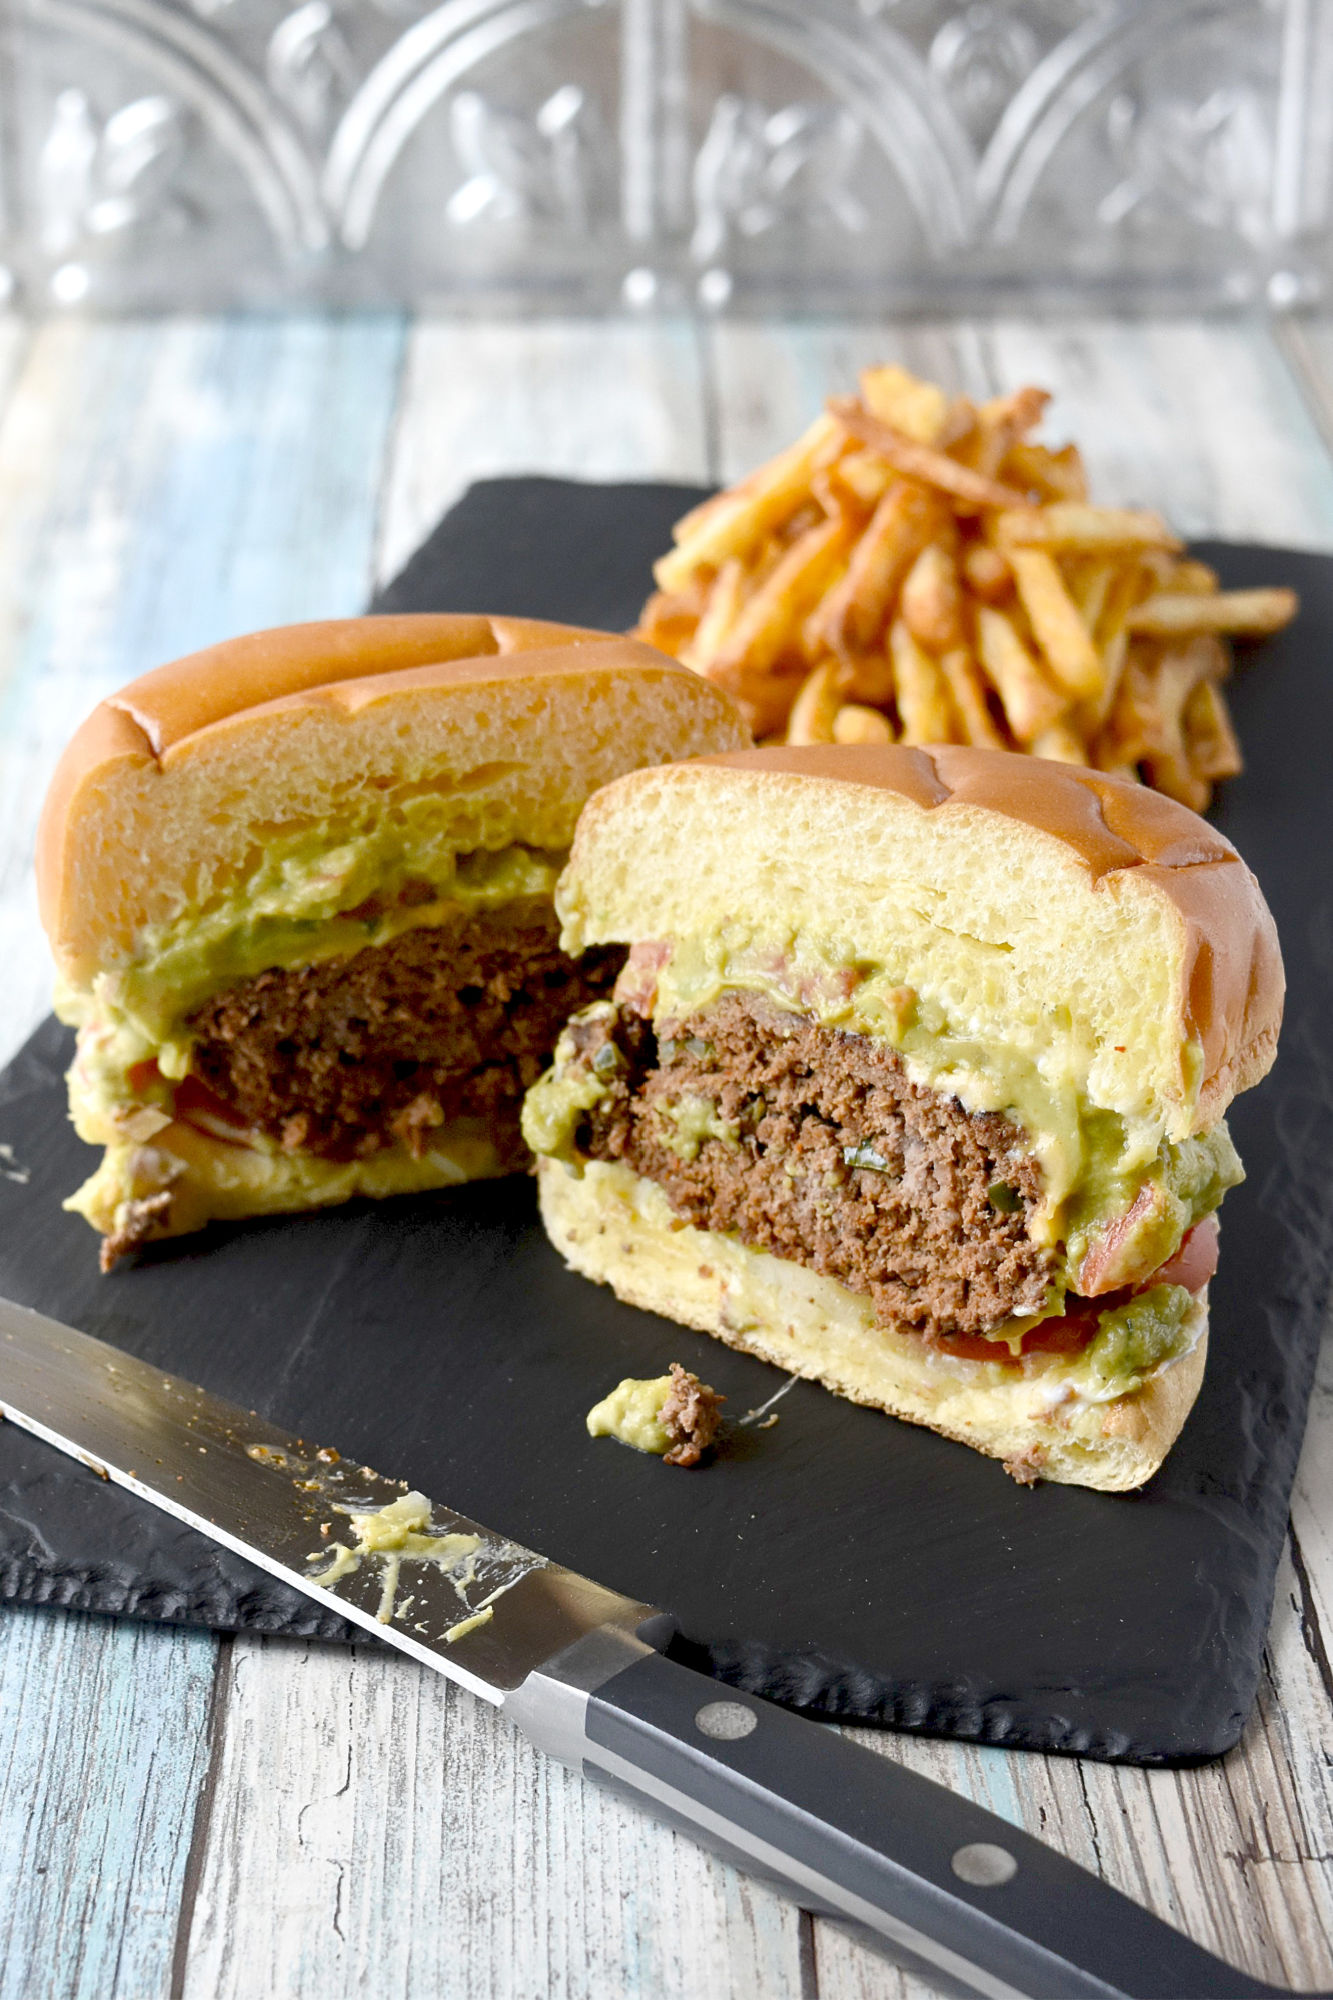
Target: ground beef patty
(446,1021)
(813,1144)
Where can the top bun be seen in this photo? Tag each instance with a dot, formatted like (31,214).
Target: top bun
(169,792)
(1036,903)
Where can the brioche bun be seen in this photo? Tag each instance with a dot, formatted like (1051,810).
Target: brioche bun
(172,786)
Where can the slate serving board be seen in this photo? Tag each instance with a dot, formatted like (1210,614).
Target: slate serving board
(838,1561)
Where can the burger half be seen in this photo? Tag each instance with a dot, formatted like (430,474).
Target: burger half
(298,888)
(913,1082)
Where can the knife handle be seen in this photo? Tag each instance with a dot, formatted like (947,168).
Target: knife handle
(858,1837)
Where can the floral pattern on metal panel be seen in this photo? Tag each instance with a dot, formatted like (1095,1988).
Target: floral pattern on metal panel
(588,152)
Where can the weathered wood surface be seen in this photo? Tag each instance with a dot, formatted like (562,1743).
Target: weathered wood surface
(293,1820)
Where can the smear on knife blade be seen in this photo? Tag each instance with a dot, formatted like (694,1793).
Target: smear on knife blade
(478,1568)
(399,1533)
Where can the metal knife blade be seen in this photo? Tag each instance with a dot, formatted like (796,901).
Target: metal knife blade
(911,1866)
(283,1502)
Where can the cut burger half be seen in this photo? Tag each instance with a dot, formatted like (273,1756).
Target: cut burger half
(914,1081)
(299,892)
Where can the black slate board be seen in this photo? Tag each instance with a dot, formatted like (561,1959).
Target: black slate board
(840,1561)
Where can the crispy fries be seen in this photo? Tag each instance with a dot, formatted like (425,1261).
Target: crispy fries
(1245,614)
(855,724)
(1057,624)
(917,569)
(921,461)
(1031,704)
(923,698)
(1072,527)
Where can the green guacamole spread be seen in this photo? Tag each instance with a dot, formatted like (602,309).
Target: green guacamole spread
(632,1413)
(304,903)
(1151,1328)
(1114,1196)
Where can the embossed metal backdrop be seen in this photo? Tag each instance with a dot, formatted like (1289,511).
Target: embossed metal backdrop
(585,153)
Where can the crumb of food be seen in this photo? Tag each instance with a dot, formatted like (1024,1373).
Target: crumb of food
(690,1416)
(136,1222)
(673,1416)
(1027,1466)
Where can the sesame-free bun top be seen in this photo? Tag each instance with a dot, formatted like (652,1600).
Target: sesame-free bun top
(1033,901)
(168,794)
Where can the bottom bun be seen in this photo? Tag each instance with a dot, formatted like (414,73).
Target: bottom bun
(183,1178)
(616,1228)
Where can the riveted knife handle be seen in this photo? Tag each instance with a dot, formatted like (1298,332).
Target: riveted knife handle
(856,1835)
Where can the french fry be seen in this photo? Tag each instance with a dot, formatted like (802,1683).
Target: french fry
(968,693)
(987,573)
(868,677)
(1190,577)
(930,599)
(1089,583)
(924,709)
(958,425)
(1055,475)
(1000,423)
(918,409)
(1210,738)
(1070,526)
(899,529)
(800,576)
(1114,655)
(734,523)
(920,461)
(815,708)
(721,610)
(1250,614)
(1178,672)
(1018,412)
(1031,704)
(1064,639)
(669,623)
(1060,745)
(865,476)
(854,723)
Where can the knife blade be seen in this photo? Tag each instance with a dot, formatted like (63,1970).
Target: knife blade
(910,1866)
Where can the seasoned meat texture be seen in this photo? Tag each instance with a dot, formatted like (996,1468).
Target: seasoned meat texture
(362,1052)
(691,1416)
(814,1144)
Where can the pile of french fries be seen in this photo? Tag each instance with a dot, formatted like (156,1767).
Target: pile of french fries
(916,569)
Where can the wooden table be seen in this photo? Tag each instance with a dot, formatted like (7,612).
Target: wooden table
(239,1817)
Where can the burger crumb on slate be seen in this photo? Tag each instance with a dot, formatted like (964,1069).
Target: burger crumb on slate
(690,1416)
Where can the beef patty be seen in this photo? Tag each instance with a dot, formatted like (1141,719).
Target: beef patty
(444,1022)
(814,1144)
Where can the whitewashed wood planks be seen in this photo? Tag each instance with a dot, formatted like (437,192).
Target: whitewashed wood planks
(373,1829)
(622,402)
(1212,426)
(103,1743)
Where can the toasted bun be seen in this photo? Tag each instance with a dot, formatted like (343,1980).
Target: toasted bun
(620,1230)
(171,788)
(998,884)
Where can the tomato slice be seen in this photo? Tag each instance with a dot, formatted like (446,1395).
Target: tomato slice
(1195,1261)
(1192,1266)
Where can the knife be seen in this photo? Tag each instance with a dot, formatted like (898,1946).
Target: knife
(908,1865)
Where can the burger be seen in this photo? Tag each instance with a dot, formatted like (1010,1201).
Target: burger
(914,1082)
(299,892)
